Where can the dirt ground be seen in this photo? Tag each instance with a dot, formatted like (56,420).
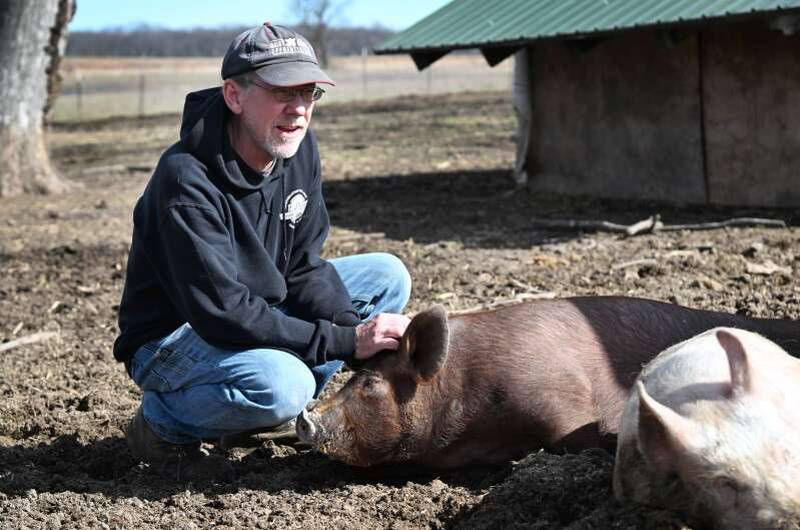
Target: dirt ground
(423,178)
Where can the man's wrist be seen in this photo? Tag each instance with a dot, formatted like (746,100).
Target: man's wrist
(344,342)
(347,318)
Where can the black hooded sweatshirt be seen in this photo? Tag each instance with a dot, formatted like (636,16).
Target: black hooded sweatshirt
(219,246)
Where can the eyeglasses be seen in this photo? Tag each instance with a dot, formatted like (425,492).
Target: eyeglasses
(287,94)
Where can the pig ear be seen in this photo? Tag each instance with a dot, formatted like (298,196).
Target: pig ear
(741,380)
(664,435)
(426,341)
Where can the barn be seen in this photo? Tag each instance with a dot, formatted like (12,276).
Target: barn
(686,101)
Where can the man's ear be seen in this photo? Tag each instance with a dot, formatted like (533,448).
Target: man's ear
(232,94)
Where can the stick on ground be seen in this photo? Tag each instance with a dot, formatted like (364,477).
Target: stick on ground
(29,339)
(653,224)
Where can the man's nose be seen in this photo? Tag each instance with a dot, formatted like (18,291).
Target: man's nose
(297,105)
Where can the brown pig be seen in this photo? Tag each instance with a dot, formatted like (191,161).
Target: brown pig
(712,429)
(488,387)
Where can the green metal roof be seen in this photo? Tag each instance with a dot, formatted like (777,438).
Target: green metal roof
(481,23)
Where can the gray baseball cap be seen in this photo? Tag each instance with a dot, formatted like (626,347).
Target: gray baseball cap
(279,55)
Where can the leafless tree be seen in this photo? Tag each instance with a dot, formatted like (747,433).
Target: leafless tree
(32,40)
(316,17)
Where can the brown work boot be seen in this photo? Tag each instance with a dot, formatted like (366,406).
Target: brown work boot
(179,462)
(284,434)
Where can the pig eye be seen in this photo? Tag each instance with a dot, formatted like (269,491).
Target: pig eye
(728,490)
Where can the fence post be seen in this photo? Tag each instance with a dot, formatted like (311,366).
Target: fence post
(79,96)
(364,71)
(428,80)
(141,95)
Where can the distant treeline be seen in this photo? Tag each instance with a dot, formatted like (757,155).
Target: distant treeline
(145,41)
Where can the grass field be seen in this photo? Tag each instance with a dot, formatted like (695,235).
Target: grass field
(102,87)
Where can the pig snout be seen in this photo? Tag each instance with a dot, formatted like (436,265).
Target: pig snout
(306,427)
(325,432)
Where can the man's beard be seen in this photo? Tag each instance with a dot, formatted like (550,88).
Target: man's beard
(276,147)
(282,149)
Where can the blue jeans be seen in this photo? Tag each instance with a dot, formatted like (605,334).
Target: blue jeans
(193,390)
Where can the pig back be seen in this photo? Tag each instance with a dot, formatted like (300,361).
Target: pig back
(567,365)
(542,373)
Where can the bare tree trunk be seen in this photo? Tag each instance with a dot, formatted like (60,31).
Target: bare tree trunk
(316,16)
(32,39)
(56,49)
(320,42)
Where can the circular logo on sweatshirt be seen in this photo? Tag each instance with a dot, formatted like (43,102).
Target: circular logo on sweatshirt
(294,207)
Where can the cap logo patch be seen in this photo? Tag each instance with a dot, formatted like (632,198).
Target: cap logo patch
(288,47)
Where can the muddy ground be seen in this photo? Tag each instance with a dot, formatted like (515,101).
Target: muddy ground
(424,178)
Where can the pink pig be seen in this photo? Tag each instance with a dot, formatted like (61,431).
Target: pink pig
(712,429)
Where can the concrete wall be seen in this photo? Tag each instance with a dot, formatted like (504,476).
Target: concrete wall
(626,118)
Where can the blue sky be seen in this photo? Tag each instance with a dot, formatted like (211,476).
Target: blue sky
(101,14)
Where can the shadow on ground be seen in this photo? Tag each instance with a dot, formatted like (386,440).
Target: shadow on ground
(106,466)
(481,209)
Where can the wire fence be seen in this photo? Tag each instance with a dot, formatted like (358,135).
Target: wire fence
(96,88)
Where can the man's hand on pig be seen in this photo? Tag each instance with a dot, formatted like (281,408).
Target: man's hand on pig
(381,333)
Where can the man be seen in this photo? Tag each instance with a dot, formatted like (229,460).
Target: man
(230,321)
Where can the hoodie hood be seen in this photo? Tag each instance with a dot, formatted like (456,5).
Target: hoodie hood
(203,134)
